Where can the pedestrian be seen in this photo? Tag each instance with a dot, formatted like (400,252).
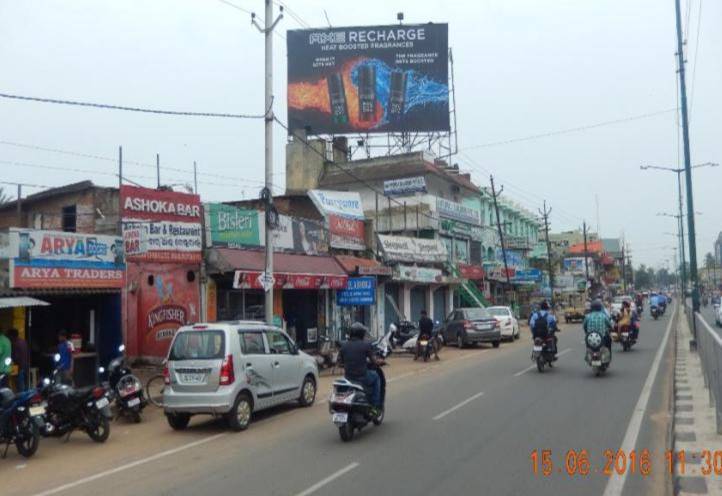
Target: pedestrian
(5,354)
(20,358)
(65,365)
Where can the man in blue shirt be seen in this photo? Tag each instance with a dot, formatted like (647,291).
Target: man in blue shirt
(65,365)
(543,323)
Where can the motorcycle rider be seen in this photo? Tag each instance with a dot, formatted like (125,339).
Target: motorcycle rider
(542,324)
(426,329)
(598,321)
(627,318)
(355,354)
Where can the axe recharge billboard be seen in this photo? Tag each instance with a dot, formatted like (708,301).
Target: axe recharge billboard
(369,79)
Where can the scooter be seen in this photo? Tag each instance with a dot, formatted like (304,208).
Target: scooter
(68,409)
(382,345)
(543,352)
(404,331)
(327,352)
(20,419)
(654,311)
(350,408)
(126,389)
(598,356)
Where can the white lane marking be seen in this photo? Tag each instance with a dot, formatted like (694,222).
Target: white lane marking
(127,466)
(521,372)
(401,376)
(328,479)
(21,466)
(457,406)
(615,485)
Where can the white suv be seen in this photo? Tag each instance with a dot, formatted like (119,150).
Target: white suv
(232,369)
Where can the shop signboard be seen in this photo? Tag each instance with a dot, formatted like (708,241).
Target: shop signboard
(231,227)
(575,265)
(517,242)
(250,280)
(365,79)
(405,249)
(513,258)
(358,291)
(171,223)
(405,186)
(564,281)
(135,242)
(456,211)
(472,272)
(528,275)
(499,274)
(378,270)
(346,233)
(299,235)
(345,216)
(56,259)
(418,274)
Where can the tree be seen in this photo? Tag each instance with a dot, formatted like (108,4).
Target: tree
(4,197)
(642,278)
(709,261)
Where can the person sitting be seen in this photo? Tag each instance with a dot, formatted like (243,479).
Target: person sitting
(543,324)
(598,321)
(426,331)
(355,355)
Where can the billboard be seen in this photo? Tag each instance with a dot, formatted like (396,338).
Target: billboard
(369,79)
(231,227)
(300,235)
(56,259)
(170,224)
(345,216)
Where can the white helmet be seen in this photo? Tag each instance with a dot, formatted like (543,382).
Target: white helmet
(392,327)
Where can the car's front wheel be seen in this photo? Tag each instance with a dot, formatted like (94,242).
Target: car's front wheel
(240,415)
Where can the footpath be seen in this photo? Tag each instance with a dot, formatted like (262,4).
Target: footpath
(695,429)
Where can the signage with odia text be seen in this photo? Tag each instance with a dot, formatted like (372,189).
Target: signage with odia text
(358,291)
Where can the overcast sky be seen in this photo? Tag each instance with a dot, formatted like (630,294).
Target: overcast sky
(523,67)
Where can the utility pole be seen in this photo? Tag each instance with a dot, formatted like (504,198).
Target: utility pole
(195,177)
(157,168)
(20,205)
(267,31)
(545,214)
(586,261)
(624,271)
(687,167)
(494,195)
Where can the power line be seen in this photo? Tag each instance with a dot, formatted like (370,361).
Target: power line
(296,17)
(131,109)
(258,18)
(696,56)
(569,130)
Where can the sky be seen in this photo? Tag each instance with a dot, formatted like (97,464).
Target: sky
(522,68)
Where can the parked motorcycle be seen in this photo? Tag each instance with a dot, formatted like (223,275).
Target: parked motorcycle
(350,407)
(382,345)
(86,409)
(20,419)
(327,352)
(543,352)
(126,389)
(598,356)
(403,331)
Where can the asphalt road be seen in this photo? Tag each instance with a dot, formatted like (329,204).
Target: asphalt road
(464,429)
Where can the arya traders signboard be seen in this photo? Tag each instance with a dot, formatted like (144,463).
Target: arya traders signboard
(170,223)
(369,79)
(55,259)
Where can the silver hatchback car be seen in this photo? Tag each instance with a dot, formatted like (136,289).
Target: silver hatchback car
(232,369)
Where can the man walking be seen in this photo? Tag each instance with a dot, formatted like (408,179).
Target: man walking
(65,365)
(20,358)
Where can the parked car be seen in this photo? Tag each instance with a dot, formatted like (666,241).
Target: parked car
(508,324)
(233,369)
(472,325)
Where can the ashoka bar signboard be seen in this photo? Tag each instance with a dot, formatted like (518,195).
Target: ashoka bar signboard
(170,223)
(54,259)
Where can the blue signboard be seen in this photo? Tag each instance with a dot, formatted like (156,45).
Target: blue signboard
(359,291)
(527,275)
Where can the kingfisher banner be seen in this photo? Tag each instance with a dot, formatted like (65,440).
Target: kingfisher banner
(369,79)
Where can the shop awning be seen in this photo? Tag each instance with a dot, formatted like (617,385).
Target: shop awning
(290,270)
(362,266)
(21,301)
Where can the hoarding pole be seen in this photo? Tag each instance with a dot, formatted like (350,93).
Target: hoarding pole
(586,261)
(267,31)
(157,168)
(545,214)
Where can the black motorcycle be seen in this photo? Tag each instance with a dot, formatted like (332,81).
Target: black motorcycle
(125,388)
(543,352)
(350,407)
(20,420)
(654,311)
(68,408)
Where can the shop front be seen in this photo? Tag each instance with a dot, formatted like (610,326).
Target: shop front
(62,281)
(303,287)
(350,308)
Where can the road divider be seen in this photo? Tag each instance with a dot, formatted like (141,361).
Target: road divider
(457,406)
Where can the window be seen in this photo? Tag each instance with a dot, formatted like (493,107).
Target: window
(498,311)
(252,343)
(198,345)
(69,218)
(278,343)
(476,313)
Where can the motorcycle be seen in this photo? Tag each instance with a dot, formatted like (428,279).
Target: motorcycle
(428,346)
(598,356)
(543,352)
(626,338)
(327,352)
(654,311)
(20,419)
(68,409)
(402,332)
(126,389)
(350,408)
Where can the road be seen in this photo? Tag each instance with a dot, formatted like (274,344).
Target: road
(466,426)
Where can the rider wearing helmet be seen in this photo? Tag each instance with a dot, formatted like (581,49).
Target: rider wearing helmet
(355,354)
(542,323)
(598,321)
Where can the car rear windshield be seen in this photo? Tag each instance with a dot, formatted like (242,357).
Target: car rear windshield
(198,345)
(476,313)
(498,311)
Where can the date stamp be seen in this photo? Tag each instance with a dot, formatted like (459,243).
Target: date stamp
(546,463)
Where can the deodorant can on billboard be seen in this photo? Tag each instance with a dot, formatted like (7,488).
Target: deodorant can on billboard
(397,96)
(367,92)
(337,98)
